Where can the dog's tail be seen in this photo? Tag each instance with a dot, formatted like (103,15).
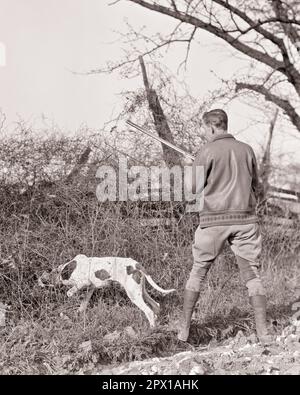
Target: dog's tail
(150,280)
(157,287)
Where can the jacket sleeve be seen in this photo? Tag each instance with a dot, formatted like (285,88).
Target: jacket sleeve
(200,171)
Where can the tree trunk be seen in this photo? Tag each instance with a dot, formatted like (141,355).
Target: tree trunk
(81,162)
(171,157)
(265,165)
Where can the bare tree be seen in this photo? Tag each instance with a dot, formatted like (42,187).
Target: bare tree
(174,113)
(265,167)
(82,160)
(161,124)
(267,32)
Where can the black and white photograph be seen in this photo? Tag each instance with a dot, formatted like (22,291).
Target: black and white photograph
(149,190)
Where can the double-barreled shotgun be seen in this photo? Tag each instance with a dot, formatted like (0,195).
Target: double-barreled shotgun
(141,129)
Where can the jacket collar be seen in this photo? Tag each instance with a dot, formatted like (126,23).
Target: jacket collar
(223,136)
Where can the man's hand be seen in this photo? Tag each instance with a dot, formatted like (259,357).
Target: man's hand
(186,161)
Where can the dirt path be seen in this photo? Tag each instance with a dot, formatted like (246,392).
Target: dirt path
(239,355)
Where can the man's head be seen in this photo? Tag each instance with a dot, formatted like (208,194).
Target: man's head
(215,122)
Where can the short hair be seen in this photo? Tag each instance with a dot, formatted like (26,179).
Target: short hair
(217,118)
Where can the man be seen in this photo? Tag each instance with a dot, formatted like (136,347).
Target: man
(228,214)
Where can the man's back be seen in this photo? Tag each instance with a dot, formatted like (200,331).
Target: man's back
(228,215)
(230,176)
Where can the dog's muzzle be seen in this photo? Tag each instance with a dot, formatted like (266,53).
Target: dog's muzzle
(48,279)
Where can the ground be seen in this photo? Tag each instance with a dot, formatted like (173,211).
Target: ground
(240,355)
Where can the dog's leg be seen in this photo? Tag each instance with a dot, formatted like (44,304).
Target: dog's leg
(85,302)
(135,294)
(79,285)
(72,291)
(154,305)
(146,309)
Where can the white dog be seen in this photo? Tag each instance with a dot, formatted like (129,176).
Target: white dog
(94,272)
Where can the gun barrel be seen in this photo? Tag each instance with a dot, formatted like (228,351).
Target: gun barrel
(141,129)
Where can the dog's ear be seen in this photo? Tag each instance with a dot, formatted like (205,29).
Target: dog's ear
(68,270)
(130,270)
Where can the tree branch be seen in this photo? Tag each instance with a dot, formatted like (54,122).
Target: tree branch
(253,25)
(189,19)
(285,66)
(285,105)
(281,13)
(184,62)
(174,5)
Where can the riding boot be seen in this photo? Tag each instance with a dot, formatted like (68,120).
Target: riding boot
(190,300)
(258,303)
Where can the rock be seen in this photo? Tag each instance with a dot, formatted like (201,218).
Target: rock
(183,366)
(197,370)
(64,359)
(86,346)
(288,330)
(106,372)
(272,370)
(154,369)
(291,339)
(252,338)
(130,332)
(243,341)
(111,337)
(240,340)
(296,346)
(294,370)
(95,358)
(135,372)
(229,353)
(239,335)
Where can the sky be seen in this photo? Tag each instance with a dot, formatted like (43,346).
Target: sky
(46,40)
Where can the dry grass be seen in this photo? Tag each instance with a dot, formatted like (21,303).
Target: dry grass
(47,226)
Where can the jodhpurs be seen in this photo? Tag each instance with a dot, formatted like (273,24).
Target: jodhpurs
(245,242)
